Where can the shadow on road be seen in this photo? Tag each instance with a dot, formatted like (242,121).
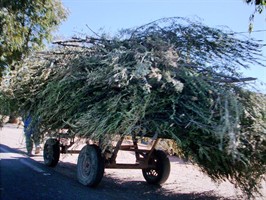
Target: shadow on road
(126,188)
(143,190)
(130,190)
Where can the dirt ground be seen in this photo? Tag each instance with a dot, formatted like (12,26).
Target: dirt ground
(186,181)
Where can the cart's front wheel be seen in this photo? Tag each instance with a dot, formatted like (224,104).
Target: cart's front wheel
(160,173)
(51,152)
(90,167)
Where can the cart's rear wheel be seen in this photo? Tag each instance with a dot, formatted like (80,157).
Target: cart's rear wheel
(160,173)
(90,167)
(51,152)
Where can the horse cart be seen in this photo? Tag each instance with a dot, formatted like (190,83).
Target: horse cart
(92,160)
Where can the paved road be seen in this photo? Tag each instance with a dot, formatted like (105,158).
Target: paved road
(27,178)
(23,178)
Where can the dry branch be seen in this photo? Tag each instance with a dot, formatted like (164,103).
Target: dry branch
(173,77)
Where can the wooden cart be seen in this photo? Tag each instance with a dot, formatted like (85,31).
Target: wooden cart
(154,163)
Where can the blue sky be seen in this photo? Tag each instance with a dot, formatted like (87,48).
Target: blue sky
(113,15)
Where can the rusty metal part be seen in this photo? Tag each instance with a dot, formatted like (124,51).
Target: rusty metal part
(142,155)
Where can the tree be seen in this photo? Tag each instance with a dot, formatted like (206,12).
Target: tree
(25,26)
(260,5)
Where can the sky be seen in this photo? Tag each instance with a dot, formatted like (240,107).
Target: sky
(110,16)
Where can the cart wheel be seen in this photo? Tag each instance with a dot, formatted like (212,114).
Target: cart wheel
(160,173)
(90,166)
(51,152)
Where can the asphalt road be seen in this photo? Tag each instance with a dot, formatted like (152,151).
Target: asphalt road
(24,179)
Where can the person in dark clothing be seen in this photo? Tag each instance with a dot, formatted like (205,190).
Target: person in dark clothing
(31,131)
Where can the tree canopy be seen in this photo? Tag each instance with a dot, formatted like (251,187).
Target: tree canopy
(260,5)
(25,25)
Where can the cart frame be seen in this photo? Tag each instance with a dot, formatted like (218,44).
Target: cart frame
(154,163)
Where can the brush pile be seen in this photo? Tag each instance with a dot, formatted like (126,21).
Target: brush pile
(173,77)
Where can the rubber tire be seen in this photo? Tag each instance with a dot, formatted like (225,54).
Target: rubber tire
(51,152)
(90,167)
(160,173)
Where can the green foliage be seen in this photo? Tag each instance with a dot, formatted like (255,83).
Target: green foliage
(256,2)
(260,5)
(174,77)
(25,25)
(8,104)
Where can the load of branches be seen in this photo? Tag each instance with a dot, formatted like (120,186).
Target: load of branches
(173,77)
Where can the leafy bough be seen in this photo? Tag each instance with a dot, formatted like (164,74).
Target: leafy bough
(174,77)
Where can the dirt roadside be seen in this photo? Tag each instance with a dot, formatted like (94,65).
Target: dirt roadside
(186,181)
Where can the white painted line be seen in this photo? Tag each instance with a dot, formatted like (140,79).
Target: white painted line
(4,150)
(37,169)
(23,161)
(6,154)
